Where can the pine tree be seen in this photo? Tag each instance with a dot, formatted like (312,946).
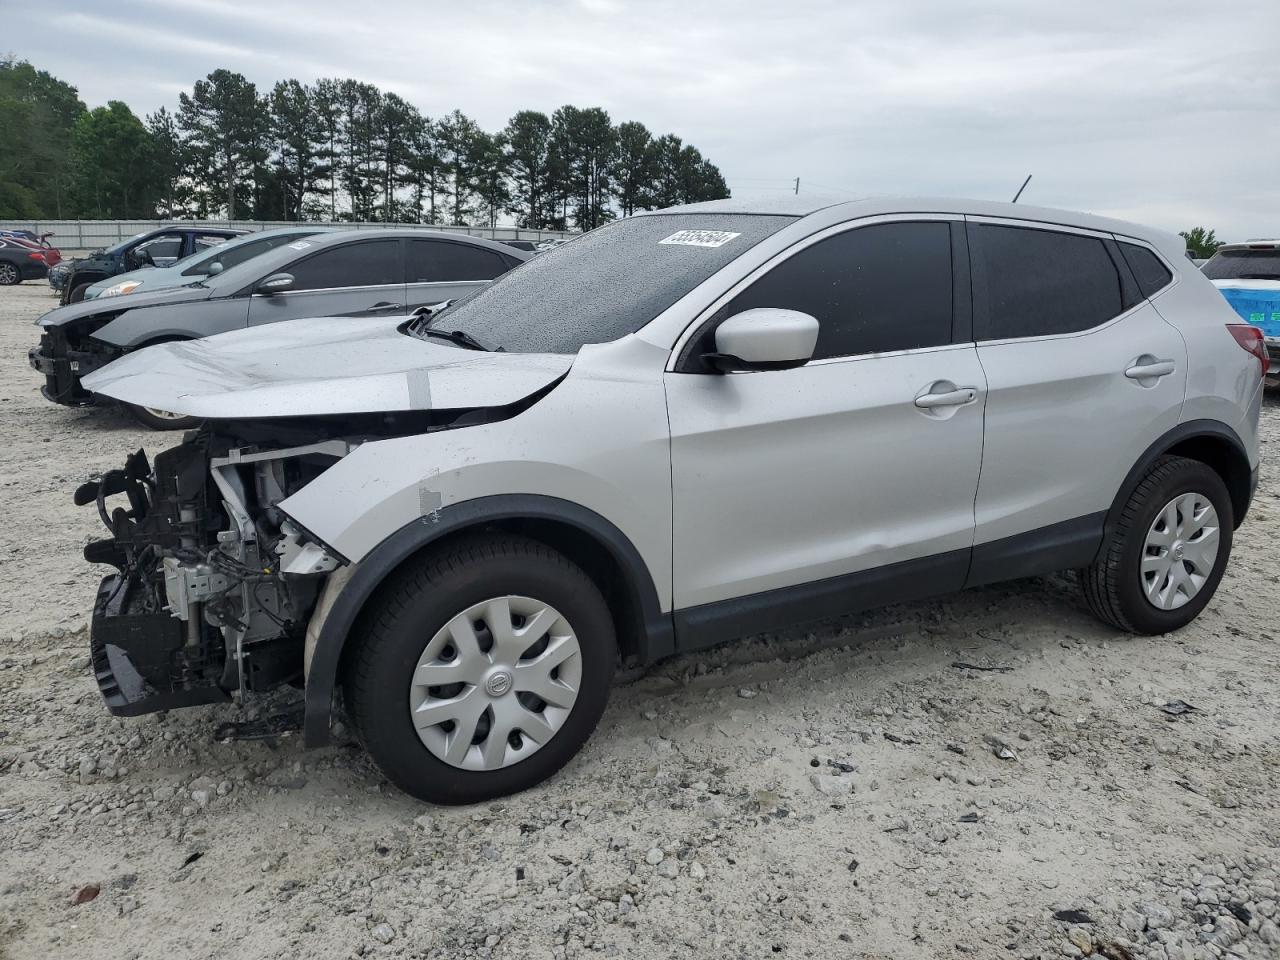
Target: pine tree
(456,135)
(167,153)
(633,167)
(528,139)
(220,123)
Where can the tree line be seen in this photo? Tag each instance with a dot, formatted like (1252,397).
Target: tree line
(336,149)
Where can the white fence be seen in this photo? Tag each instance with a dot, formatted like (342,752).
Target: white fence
(74,235)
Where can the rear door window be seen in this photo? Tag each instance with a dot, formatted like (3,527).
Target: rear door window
(440,261)
(362,263)
(1031,283)
(872,289)
(1152,275)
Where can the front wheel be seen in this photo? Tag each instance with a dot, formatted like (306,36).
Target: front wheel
(481,670)
(158,419)
(1162,562)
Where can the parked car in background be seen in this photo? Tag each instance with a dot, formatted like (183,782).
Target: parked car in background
(1248,274)
(204,263)
(681,428)
(528,246)
(352,273)
(20,260)
(155,248)
(52,255)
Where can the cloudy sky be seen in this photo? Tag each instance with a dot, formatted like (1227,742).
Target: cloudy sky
(1162,111)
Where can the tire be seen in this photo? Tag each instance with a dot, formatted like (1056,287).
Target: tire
(10,274)
(423,604)
(77,292)
(1127,586)
(160,420)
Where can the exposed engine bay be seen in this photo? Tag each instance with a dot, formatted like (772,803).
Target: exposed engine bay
(215,584)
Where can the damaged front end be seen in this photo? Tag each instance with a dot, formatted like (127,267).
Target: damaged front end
(214,584)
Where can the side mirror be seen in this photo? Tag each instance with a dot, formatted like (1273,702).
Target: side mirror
(276,283)
(765,338)
(215,268)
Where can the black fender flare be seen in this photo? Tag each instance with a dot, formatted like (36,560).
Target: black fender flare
(656,635)
(1190,430)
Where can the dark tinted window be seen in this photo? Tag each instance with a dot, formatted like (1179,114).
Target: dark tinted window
(1152,275)
(359,264)
(233,256)
(873,289)
(1042,282)
(1243,265)
(607,283)
(435,261)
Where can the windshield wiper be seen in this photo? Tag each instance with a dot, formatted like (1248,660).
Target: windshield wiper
(425,316)
(459,337)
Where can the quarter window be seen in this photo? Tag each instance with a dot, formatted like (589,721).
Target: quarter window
(872,289)
(1152,275)
(437,261)
(363,263)
(1042,282)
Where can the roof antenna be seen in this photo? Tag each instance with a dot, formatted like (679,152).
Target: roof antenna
(1021,188)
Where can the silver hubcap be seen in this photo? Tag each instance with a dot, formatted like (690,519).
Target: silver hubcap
(495,683)
(8,272)
(1180,551)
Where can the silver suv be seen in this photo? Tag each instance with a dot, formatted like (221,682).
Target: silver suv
(675,430)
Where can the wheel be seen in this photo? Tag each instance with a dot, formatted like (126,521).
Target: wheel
(1163,561)
(158,419)
(9,274)
(481,670)
(77,292)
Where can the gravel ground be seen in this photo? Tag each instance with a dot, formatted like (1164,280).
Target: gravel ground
(987,775)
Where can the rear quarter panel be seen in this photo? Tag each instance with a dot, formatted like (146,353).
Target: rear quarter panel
(1222,379)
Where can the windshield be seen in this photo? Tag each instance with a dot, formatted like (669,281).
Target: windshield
(1243,265)
(123,243)
(605,284)
(235,253)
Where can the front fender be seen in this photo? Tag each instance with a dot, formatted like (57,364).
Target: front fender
(337,611)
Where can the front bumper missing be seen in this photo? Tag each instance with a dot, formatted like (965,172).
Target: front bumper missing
(136,657)
(62,368)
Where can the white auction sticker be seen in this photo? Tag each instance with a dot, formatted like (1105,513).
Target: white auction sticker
(299,245)
(701,238)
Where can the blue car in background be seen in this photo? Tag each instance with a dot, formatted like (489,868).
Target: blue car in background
(198,266)
(1248,274)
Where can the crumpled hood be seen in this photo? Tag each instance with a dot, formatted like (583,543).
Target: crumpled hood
(334,365)
(87,308)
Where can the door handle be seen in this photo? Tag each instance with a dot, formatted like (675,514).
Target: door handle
(1147,367)
(951,398)
(384,306)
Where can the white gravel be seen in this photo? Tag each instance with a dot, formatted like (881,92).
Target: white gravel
(841,791)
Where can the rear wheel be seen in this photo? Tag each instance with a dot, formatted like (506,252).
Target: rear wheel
(9,274)
(482,670)
(158,419)
(1162,563)
(77,292)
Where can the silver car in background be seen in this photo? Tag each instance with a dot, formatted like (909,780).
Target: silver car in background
(681,428)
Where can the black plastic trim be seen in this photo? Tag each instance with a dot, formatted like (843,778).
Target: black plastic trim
(1191,430)
(1059,546)
(712,623)
(656,637)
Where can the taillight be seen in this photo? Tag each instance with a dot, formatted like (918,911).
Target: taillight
(35,256)
(1250,339)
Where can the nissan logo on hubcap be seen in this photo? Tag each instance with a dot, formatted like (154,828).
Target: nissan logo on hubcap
(1177,551)
(498,684)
